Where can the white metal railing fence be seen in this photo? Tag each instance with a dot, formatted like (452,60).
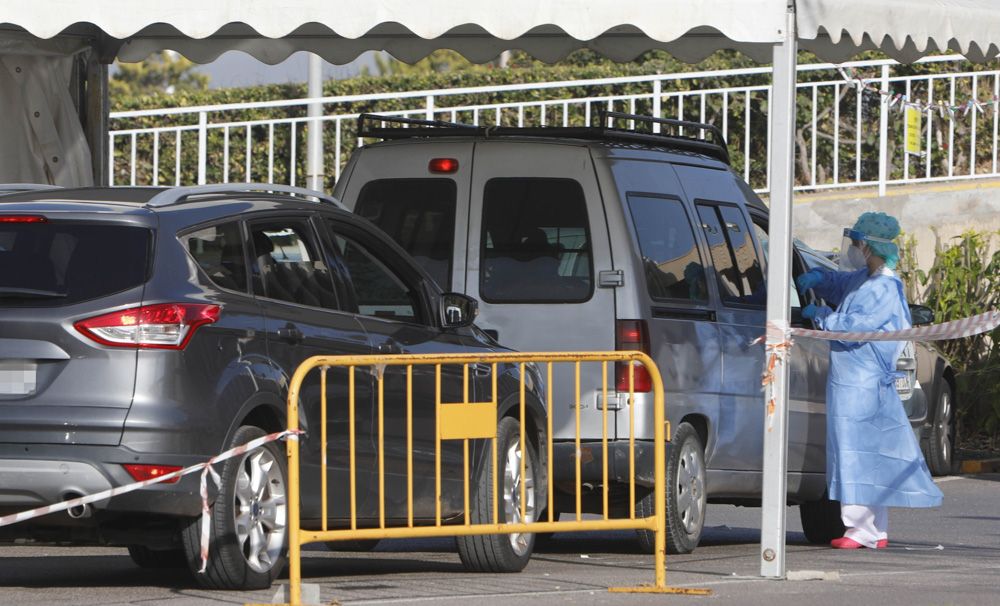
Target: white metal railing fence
(846,135)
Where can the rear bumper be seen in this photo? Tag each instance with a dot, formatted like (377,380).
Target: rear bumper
(40,475)
(592,463)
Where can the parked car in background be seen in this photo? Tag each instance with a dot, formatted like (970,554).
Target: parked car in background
(143,330)
(928,389)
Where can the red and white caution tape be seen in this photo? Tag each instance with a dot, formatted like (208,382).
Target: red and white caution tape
(778,343)
(966,327)
(205,468)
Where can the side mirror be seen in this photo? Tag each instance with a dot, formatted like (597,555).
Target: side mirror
(921,315)
(458,310)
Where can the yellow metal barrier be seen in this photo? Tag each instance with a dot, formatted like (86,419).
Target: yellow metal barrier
(474,420)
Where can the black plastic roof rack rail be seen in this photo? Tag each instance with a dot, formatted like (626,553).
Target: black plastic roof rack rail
(177,195)
(713,144)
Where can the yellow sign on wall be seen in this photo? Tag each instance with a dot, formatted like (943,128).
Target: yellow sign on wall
(913,117)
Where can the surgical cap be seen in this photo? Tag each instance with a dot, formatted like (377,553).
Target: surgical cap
(881,225)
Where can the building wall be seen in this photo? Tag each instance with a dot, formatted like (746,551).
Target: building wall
(926,212)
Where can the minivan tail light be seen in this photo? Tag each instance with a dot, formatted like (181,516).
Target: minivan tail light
(632,335)
(443,165)
(141,473)
(161,326)
(23,219)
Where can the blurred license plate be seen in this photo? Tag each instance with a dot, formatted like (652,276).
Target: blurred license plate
(17,378)
(902,384)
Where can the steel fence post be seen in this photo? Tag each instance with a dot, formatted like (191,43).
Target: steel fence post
(883,133)
(657,101)
(202,146)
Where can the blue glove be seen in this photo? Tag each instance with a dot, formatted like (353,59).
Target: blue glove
(816,312)
(809,280)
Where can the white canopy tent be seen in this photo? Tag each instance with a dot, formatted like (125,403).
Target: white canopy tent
(339,30)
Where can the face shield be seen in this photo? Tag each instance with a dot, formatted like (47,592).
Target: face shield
(854,251)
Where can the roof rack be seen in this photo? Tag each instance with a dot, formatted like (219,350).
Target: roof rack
(713,144)
(177,195)
(16,188)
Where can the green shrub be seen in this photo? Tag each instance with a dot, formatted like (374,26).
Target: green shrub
(964,281)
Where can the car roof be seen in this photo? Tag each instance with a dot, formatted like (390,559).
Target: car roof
(205,202)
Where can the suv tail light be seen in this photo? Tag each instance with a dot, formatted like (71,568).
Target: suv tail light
(162,326)
(632,335)
(141,473)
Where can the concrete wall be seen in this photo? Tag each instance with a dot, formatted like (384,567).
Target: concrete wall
(946,210)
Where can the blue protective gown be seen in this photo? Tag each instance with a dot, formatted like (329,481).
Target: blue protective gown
(872,456)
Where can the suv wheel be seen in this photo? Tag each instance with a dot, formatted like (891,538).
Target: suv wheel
(503,552)
(144,557)
(248,543)
(941,441)
(685,494)
(821,520)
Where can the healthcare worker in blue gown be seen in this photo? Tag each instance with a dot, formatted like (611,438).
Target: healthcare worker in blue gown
(873,461)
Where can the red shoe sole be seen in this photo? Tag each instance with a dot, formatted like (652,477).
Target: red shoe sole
(847,543)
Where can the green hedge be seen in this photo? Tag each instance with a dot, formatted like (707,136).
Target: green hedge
(579,66)
(474,77)
(965,281)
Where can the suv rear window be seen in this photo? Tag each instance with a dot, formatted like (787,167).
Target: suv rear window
(419,214)
(61,263)
(670,257)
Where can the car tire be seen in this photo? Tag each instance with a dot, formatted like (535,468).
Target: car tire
(821,521)
(248,544)
(502,552)
(144,557)
(943,435)
(686,498)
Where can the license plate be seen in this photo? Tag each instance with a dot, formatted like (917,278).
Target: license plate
(902,384)
(17,378)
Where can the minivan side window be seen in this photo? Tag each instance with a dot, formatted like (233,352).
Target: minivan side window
(378,290)
(670,257)
(218,251)
(289,265)
(736,265)
(762,239)
(535,242)
(419,214)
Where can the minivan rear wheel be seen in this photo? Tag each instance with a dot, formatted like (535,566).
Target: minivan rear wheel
(248,544)
(686,499)
(503,552)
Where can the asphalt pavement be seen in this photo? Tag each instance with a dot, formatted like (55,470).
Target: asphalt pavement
(944,556)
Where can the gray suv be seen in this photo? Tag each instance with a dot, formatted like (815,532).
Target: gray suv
(143,330)
(633,233)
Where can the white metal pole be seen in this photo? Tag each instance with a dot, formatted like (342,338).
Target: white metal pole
(314,141)
(781,152)
(883,133)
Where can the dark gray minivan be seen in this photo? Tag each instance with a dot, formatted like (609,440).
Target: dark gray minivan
(601,238)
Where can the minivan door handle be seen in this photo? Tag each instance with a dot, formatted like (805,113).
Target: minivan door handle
(290,334)
(683,313)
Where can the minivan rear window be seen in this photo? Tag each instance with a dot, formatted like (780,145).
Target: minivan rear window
(60,263)
(670,257)
(535,245)
(419,214)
